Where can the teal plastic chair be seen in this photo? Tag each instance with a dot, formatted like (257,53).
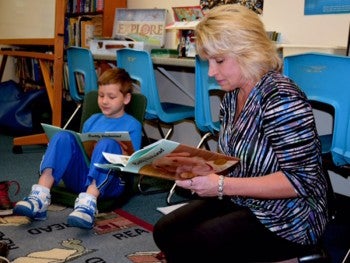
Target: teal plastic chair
(82,76)
(205,88)
(325,78)
(140,66)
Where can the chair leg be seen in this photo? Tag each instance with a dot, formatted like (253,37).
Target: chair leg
(170,194)
(346,259)
(161,132)
(72,116)
(204,140)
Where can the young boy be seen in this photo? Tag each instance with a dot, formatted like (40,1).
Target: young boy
(64,160)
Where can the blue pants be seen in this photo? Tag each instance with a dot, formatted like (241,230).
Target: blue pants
(66,158)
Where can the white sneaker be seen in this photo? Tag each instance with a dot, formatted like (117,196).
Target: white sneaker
(84,212)
(35,205)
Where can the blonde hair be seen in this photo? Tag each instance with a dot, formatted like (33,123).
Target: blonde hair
(237,31)
(117,76)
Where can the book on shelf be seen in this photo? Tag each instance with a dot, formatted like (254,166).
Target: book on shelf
(87,33)
(170,160)
(88,140)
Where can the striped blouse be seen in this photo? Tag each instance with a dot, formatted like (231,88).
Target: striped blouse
(276,132)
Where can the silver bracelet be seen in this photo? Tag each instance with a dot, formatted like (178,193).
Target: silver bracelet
(221,187)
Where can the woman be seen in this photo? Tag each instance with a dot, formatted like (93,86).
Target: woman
(271,206)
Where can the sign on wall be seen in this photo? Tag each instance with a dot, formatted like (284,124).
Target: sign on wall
(322,7)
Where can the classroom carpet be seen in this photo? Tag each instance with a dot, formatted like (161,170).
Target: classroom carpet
(117,237)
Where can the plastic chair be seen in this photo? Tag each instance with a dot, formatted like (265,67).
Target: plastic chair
(82,76)
(325,78)
(326,81)
(205,88)
(139,65)
(136,108)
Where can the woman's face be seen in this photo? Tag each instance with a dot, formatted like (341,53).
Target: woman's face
(226,71)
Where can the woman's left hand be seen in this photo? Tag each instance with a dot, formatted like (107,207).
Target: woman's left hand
(206,185)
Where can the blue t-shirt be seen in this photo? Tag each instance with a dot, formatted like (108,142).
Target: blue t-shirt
(100,123)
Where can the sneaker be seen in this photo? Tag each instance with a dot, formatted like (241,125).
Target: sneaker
(5,203)
(84,212)
(35,205)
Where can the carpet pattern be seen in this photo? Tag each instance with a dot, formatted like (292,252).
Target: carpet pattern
(117,237)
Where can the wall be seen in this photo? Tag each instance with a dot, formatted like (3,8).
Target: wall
(284,16)
(288,17)
(27,19)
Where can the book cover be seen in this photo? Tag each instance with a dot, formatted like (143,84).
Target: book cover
(170,160)
(87,33)
(87,140)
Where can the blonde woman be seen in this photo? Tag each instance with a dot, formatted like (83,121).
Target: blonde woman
(273,205)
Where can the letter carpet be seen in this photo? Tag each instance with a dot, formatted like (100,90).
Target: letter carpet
(117,237)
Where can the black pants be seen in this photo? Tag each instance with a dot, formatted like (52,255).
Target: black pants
(210,230)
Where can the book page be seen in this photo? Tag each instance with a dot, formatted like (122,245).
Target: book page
(186,162)
(174,161)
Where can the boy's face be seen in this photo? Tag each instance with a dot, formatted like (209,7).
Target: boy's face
(111,101)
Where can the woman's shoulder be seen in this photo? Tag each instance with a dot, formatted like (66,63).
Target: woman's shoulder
(276,84)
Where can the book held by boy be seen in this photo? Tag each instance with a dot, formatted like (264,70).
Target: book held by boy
(88,140)
(170,160)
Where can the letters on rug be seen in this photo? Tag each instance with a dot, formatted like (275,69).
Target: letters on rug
(117,237)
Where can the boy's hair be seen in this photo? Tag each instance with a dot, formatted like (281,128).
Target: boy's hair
(117,76)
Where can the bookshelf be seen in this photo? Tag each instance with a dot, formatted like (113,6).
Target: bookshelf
(51,63)
(101,14)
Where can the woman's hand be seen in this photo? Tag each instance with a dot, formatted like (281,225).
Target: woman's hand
(206,185)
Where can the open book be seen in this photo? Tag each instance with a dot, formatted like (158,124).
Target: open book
(87,140)
(170,160)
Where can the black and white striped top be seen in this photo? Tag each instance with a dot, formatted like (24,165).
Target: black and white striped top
(276,132)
